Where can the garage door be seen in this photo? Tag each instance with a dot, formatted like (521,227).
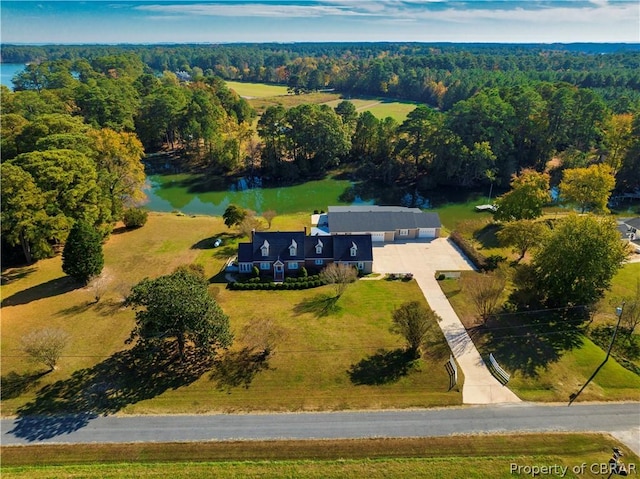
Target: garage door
(427,233)
(377,236)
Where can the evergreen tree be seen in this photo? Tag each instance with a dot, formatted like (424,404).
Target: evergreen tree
(82,256)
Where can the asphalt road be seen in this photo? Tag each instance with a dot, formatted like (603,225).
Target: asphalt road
(620,418)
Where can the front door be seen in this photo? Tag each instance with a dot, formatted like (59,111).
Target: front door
(278,271)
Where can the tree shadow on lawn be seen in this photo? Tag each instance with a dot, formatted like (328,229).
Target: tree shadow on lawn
(13,274)
(207,243)
(320,305)
(384,367)
(51,288)
(487,236)
(105,307)
(528,344)
(14,384)
(124,378)
(239,368)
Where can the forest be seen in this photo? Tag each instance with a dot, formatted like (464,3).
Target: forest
(81,119)
(437,74)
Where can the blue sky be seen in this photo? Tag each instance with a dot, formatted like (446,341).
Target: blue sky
(222,21)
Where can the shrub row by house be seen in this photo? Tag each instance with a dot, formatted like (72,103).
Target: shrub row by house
(254,284)
(478,259)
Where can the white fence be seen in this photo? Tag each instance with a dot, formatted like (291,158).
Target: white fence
(503,376)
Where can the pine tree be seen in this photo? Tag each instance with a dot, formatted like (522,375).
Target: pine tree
(82,256)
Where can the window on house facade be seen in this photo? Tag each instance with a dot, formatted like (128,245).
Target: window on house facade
(354,249)
(265,265)
(293,248)
(404,232)
(265,248)
(360,265)
(319,246)
(319,262)
(293,265)
(245,267)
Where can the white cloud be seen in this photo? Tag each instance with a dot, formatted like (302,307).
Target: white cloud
(251,10)
(532,11)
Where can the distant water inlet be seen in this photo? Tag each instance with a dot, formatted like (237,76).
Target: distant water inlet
(8,71)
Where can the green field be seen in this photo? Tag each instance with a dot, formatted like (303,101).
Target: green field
(448,457)
(263,95)
(344,358)
(381,107)
(256,90)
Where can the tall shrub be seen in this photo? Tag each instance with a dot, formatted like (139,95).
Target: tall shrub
(82,257)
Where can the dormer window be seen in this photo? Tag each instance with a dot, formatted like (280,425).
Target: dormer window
(265,248)
(319,246)
(354,249)
(293,248)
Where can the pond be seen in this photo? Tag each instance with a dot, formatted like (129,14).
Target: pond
(197,194)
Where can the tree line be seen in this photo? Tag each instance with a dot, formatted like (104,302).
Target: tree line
(437,74)
(480,141)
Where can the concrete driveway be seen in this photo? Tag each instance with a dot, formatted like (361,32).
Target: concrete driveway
(414,256)
(423,258)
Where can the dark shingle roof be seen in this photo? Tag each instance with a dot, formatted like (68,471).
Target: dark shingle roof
(337,248)
(310,243)
(279,243)
(381,220)
(342,248)
(374,208)
(245,253)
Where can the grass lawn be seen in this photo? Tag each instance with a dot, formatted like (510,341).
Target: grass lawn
(289,101)
(381,107)
(347,358)
(256,90)
(446,457)
(546,364)
(262,95)
(454,213)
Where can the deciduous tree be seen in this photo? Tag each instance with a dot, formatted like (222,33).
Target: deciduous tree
(631,311)
(179,306)
(24,219)
(250,223)
(339,275)
(589,188)
(118,158)
(233,215)
(529,193)
(618,139)
(485,290)
(576,262)
(522,235)
(68,180)
(414,321)
(45,345)
(268,216)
